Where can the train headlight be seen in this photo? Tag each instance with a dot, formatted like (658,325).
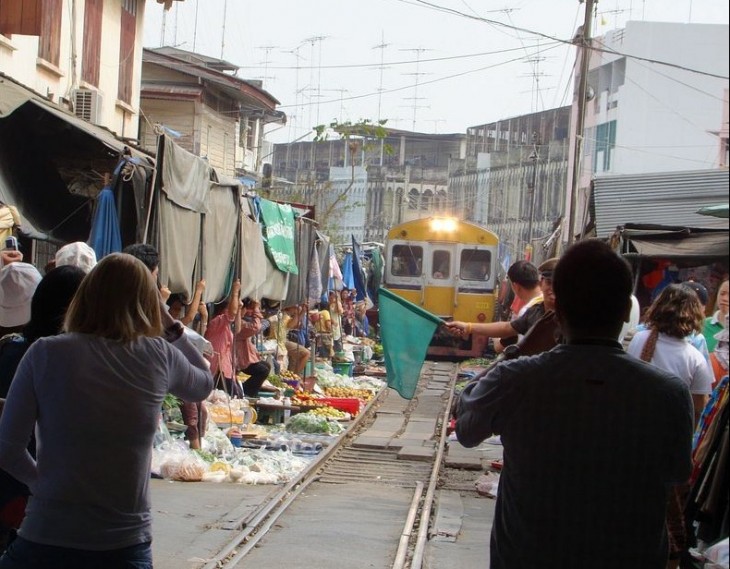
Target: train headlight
(443,224)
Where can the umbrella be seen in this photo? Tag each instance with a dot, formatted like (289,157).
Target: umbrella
(720,210)
(105,236)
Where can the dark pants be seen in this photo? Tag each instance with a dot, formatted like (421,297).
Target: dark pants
(24,554)
(258,371)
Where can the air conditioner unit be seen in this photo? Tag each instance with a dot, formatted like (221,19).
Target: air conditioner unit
(87,105)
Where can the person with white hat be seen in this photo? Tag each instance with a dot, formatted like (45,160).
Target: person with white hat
(18,282)
(77,254)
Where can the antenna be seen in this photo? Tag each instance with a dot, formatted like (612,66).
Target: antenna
(162,29)
(312,41)
(267,50)
(435,124)
(292,119)
(342,95)
(381,47)
(195,29)
(223,30)
(418,51)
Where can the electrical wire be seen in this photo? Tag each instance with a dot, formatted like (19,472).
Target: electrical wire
(453,11)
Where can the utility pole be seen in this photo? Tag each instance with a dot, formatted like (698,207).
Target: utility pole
(584,41)
(534,157)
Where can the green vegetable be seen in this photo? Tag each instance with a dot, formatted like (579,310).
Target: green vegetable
(312,424)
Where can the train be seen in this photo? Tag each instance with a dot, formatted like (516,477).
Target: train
(448,267)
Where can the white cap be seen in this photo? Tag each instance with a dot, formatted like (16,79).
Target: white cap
(18,282)
(77,254)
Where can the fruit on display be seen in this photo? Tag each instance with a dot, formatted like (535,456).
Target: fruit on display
(329,412)
(287,375)
(349,392)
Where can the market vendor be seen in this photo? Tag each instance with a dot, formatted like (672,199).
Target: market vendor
(247,357)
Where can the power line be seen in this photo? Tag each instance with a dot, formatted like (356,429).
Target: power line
(556,39)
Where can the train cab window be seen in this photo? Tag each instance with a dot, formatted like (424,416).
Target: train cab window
(407,261)
(441,265)
(475,265)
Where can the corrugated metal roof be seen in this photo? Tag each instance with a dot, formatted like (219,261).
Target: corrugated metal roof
(667,198)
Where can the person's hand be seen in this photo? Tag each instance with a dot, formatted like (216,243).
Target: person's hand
(457,328)
(165,293)
(10,256)
(203,311)
(200,287)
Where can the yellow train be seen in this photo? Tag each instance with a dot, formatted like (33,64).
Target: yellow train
(448,267)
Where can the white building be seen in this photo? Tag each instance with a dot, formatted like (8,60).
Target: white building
(85,56)
(657,102)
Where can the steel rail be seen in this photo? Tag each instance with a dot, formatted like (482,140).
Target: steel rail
(417,558)
(405,538)
(254,520)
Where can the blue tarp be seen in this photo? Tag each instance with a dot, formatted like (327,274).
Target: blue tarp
(347,278)
(359,279)
(105,236)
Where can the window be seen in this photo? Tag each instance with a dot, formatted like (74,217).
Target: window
(92,42)
(126,50)
(604,144)
(475,265)
(413,199)
(427,200)
(406,261)
(251,134)
(49,42)
(441,265)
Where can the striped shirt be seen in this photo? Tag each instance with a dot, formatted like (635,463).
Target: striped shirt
(593,438)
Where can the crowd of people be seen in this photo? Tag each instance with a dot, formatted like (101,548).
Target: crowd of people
(597,434)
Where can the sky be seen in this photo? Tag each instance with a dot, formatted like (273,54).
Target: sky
(433,66)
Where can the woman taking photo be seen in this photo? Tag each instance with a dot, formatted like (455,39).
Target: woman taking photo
(93,396)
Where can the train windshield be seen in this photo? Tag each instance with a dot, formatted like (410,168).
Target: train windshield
(407,261)
(475,265)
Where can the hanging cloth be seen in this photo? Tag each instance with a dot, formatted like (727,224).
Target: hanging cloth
(105,236)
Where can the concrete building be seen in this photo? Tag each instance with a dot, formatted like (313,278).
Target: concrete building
(211,112)
(84,56)
(657,104)
(405,176)
(505,160)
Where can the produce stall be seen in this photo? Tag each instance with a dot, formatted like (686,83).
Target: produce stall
(269,439)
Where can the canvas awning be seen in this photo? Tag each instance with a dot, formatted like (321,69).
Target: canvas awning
(692,245)
(51,163)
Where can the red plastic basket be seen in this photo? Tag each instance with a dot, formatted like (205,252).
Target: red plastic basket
(349,405)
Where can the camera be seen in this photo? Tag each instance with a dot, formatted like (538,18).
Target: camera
(11,244)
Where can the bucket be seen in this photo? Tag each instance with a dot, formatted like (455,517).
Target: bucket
(342,368)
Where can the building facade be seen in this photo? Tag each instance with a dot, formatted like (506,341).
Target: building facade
(85,56)
(210,112)
(404,176)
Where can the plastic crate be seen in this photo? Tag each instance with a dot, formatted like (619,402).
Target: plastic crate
(349,405)
(342,368)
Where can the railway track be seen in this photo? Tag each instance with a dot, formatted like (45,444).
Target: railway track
(368,500)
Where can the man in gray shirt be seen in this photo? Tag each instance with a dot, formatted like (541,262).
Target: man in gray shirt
(593,438)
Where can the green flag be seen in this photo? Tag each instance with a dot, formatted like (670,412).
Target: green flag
(406,331)
(278,221)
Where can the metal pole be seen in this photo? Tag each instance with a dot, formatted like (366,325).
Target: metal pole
(585,56)
(534,157)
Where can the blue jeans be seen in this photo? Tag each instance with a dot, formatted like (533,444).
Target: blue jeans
(24,554)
